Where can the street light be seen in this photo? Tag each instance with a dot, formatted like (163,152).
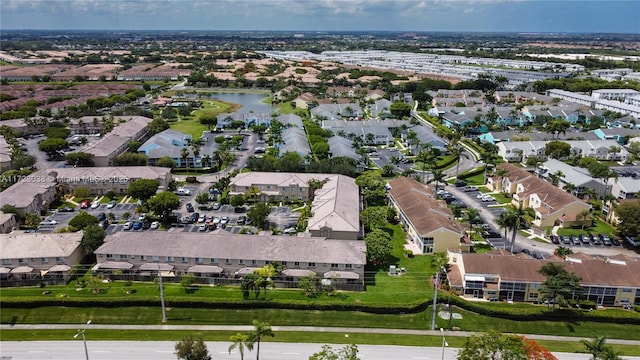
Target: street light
(444,342)
(84,339)
(435,296)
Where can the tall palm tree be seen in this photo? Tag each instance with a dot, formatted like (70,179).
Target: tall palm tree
(438,177)
(501,173)
(261,329)
(242,342)
(488,158)
(184,154)
(457,152)
(555,177)
(583,215)
(504,222)
(206,160)
(516,218)
(472,215)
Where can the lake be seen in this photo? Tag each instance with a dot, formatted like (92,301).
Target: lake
(249,102)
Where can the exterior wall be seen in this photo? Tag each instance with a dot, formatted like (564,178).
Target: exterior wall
(7,222)
(573,208)
(274,192)
(230,266)
(342,235)
(44,263)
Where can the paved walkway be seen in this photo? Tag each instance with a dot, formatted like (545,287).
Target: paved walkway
(344,330)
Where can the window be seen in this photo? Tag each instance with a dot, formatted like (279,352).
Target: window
(241,262)
(22,261)
(6,261)
(284,263)
(45,260)
(348,266)
(170,259)
(334,266)
(123,257)
(156,258)
(627,291)
(185,259)
(254,262)
(214,260)
(109,256)
(227,261)
(58,259)
(296,264)
(198,260)
(312,264)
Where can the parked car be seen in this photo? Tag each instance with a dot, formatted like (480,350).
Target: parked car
(127,226)
(615,241)
(242,219)
(142,217)
(48,222)
(194,217)
(104,224)
(491,234)
(84,204)
(584,239)
(203,227)
(554,239)
(487,198)
(190,208)
(95,204)
(66,209)
(290,230)
(470,188)
(111,204)
(101,216)
(565,239)
(460,183)
(216,206)
(216,219)
(202,218)
(224,220)
(137,225)
(154,225)
(575,240)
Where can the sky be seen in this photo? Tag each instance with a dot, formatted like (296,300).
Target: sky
(573,16)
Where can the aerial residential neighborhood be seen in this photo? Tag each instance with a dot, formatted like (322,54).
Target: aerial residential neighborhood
(344,180)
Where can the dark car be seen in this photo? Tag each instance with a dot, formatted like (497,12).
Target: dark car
(66,209)
(242,220)
(554,239)
(460,183)
(101,216)
(584,239)
(565,239)
(104,224)
(194,217)
(615,241)
(190,208)
(137,225)
(491,234)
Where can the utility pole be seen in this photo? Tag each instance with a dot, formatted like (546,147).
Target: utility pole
(435,299)
(164,313)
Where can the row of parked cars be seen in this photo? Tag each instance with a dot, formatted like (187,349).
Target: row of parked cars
(585,240)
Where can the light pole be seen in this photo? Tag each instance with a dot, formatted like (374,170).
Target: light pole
(435,300)
(444,342)
(84,339)
(164,313)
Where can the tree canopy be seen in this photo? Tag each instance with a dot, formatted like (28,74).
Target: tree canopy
(496,346)
(379,246)
(82,220)
(190,348)
(560,285)
(348,352)
(93,237)
(629,217)
(164,203)
(143,189)
(258,213)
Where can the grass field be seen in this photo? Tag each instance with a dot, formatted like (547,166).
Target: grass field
(191,124)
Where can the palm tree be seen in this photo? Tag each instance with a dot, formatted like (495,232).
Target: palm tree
(438,177)
(555,177)
(488,158)
(184,154)
(595,347)
(240,341)
(457,152)
(569,187)
(472,215)
(516,216)
(503,222)
(501,173)
(261,329)
(206,160)
(583,215)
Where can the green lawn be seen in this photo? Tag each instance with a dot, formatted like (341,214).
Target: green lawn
(191,124)
(598,227)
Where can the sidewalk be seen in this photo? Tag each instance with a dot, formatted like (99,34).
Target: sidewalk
(343,330)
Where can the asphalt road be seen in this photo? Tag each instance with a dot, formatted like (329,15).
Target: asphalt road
(161,350)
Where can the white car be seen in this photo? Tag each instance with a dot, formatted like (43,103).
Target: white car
(154,225)
(111,204)
(290,230)
(95,204)
(202,218)
(224,220)
(48,222)
(216,220)
(128,225)
(488,198)
(203,227)
(142,216)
